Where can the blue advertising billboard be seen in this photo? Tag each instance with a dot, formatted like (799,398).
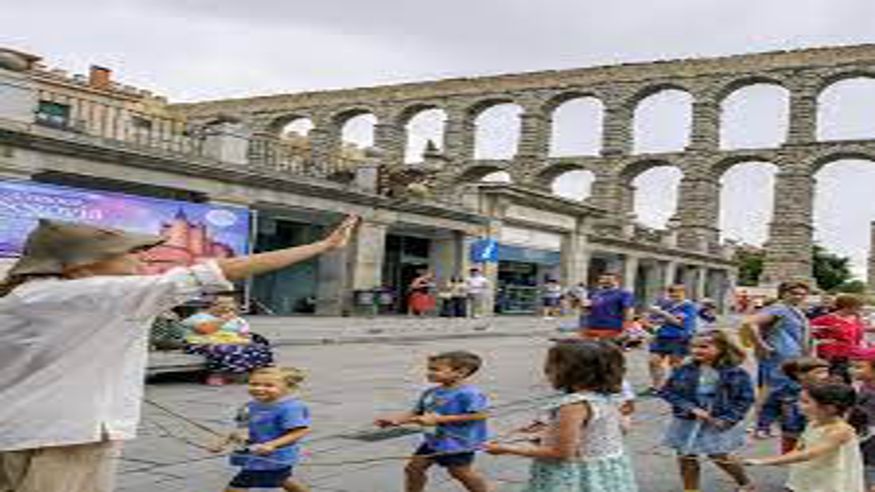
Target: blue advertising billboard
(192,231)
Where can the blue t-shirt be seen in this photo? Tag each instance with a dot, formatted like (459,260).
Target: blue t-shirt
(788,335)
(687,312)
(457,437)
(607,308)
(268,421)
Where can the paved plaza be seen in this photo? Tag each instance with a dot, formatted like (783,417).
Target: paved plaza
(350,384)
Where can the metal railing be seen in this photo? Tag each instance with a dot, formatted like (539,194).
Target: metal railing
(293,158)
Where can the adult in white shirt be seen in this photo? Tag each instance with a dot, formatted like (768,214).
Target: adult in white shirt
(479,292)
(74,323)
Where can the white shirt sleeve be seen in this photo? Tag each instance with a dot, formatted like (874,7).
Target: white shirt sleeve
(134,297)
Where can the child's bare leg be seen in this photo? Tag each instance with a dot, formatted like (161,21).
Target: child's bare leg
(657,371)
(732,467)
(415,474)
(690,471)
(292,486)
(473,481)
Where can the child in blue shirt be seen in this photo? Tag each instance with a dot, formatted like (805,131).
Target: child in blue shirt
(275,423)
(454,415)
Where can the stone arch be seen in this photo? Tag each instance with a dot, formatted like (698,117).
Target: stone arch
(422,124)
(845,108)
(648,198)
(746,204)
(568,136)
(356,126)
(277,125)
(476,173)
(640,95)
(756,114)
(574,184)
(843,182)
(727,88)
(720,167)
(830,157)
(497,126)
(834,78)
(673,109)
(563,97)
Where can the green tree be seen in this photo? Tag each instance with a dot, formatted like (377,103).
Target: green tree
(830,269)
(750,265)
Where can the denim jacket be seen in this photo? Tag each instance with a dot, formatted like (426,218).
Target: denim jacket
(734,396)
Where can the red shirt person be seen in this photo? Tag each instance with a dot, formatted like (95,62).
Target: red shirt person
(840,335)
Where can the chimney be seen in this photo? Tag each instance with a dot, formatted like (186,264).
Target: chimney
(99,77)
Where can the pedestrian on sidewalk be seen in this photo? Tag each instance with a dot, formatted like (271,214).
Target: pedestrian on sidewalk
(608,310)
(479,292)
(676,320)
(453,414)
(271,427)
(74,325)
(709,397)
(580,448)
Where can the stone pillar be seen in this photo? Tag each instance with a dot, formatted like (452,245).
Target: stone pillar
(802,128)
(357,267)
(228,141)
(669,274)
(575,255)
(788,249)
(446,257)
(533,147)
(617,129)
(332,289)
(391,139)
(367,251)
(609,192)
(630,271)
(325,143)
(701,286)
(459,133)
(705,132)
(698,202)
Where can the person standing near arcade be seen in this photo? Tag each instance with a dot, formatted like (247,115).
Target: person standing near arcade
(75,314)
(608,310)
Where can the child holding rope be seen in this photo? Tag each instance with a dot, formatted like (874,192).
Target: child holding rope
(710,397)
(581,448)
(827,458)
(454,414)
(275,423)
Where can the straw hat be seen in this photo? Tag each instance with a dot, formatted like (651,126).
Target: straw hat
(55,245)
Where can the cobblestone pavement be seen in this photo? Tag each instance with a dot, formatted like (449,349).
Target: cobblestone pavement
(348,386)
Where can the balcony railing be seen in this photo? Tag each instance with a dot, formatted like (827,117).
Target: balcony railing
(293,158)
(118,121)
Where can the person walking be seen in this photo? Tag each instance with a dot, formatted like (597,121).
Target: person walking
(74,325)
(608,310)
(479,292)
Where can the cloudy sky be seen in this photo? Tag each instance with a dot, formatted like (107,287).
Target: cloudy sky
(208,49)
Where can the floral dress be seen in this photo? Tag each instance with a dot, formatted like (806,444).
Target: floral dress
(601,465)
(226,351)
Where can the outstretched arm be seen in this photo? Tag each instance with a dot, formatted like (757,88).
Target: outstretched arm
(247,266)
(830,442)
(568,434)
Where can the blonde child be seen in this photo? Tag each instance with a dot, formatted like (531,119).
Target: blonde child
(827,458)
(709,396)
(454,415)
(274,423)
(581,447)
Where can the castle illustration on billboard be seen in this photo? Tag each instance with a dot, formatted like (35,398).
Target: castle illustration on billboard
(186,243)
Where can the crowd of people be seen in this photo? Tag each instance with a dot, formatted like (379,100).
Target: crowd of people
(75,317)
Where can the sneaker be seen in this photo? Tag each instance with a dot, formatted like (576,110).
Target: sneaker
(650,392)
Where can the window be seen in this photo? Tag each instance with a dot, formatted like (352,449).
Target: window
(141,123)
(53,114)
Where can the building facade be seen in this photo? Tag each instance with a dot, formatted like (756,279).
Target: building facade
(93,133)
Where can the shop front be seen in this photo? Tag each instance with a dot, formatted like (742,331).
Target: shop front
(521,273)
